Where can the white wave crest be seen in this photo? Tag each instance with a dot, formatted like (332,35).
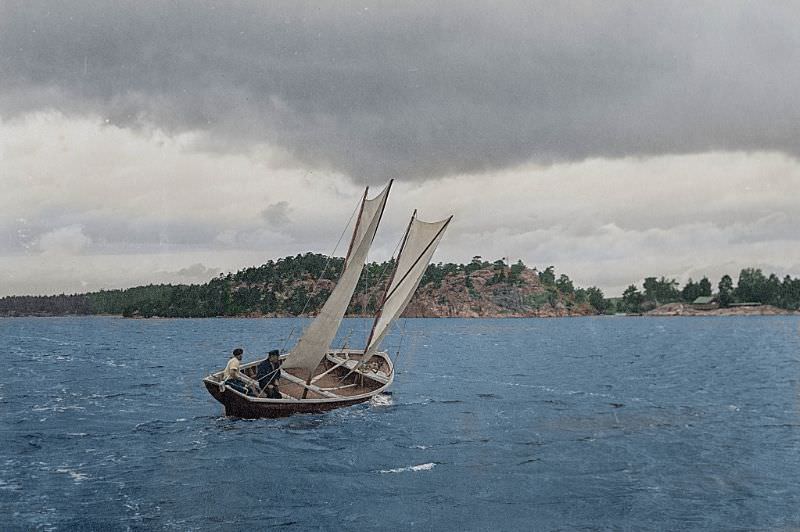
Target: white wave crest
(76,475)
(420,467)
(381,400)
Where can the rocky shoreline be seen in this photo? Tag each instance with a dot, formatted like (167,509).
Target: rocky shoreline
(296,286)
(682,309)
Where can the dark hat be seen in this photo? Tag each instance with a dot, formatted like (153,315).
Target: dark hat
(238,351)
(275,352)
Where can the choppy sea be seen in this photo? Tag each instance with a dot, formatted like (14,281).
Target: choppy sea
(548,424)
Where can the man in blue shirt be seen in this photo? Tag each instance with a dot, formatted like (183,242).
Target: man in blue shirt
(268,373)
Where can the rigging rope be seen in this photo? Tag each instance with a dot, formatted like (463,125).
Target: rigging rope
(413,351)
(324,269)
(400,345)
(380,277)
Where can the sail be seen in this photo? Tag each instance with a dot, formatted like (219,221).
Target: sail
(317,338)
(418,247)
(369,209)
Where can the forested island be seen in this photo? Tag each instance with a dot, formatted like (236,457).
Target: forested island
(299,285)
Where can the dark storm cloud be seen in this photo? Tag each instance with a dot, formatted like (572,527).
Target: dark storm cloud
(375,89)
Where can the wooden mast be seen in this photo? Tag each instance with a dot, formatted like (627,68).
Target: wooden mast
(389,282)
(355,230)
(344,266)
(349,252)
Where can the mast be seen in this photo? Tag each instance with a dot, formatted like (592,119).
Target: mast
(420,256)
(317,338)
(389,282)
(355,229)
(418,247)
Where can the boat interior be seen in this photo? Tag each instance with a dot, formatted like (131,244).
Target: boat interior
(336,377)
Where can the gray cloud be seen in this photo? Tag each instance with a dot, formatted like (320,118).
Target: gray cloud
(95,231)
(198,271)
(419,90)
(277,214)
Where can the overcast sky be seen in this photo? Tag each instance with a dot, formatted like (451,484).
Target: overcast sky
(152,141)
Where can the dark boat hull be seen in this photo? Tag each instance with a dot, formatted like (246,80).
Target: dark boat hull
(246,406)
(237,405)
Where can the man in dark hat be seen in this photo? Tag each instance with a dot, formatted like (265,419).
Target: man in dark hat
(268,373)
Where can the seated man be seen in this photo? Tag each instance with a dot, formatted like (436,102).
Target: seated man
(269,371)
(232,376)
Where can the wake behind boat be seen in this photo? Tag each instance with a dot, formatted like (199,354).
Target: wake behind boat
(316,377)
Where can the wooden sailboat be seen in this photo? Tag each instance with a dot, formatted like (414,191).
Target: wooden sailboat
(314,376)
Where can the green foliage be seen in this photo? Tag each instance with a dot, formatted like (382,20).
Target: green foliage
(435,273)
(548,276)
(631,300)
(538,300)
(552,296)
(289,285)
(705,287)
(476,264)
(499,276)
(725,291)
(790,293)
(661,290)
(597,300)
(514,276)
(752,286)
(564,284)
(580,295)
(516,269)
(691,291)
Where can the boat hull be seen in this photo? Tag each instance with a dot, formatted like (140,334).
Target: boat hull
(237,405)
(244,406)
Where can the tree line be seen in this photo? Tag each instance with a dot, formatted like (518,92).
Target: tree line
(301,284)
(753,286)
(291,286)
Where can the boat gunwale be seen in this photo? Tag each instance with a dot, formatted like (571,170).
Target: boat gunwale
(324,400)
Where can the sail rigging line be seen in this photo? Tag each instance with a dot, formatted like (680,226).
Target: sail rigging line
(325,268)
(410,352)
(400,344)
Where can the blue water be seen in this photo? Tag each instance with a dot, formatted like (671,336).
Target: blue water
(590,423)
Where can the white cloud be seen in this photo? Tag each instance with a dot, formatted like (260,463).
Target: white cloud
(126,206)
(64,241)
(198,272)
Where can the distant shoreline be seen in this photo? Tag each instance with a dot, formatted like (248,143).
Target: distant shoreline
(300,285)
(665,311)
(682,309)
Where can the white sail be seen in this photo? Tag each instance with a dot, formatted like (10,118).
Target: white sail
(317,338)
(369,209)
(418,247)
